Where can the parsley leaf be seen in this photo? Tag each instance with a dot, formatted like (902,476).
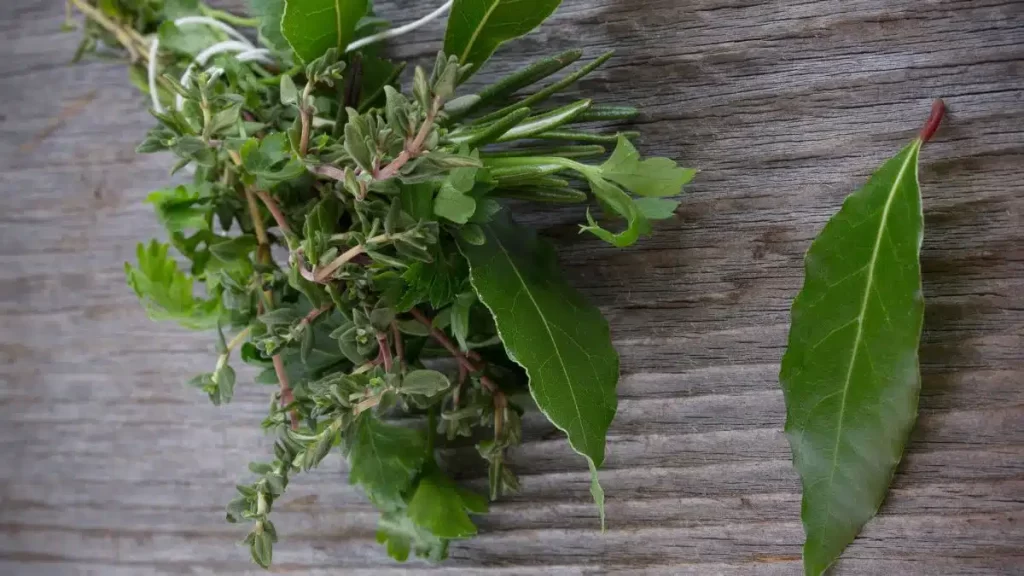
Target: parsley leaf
(655,177)
(384,458)
(166,292)
(438,506)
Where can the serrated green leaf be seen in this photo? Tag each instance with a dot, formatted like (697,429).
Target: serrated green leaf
(656,208)
(383,458)
(560,339)
(166,292)
(311,27)
(656,177)
(850,373)
(437,506)
(401,535)
(183,207)
(477,27)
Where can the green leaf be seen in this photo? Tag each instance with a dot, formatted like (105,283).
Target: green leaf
(850,373)
(383,459)
(656,208)
(477,27)
(166,292)
(189,41)
(437,506)
(418,200)
(314,26)
(560,339)
(618,201)
(401,535)
(424,382)
(182,207)
(453,200)
(655,177)
(270,13)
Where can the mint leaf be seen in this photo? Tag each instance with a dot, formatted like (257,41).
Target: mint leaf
(311,27)
(477,27)
(166,292)
(438,506)
(560,339)
(850,373)
(652,177)
(383,458)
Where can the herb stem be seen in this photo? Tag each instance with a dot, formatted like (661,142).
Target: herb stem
(275,211)
(228,17)
(399,345)
(305,116)
(414,148)
(385,351)
(131,40)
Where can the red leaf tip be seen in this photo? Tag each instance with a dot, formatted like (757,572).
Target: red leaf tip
(938,111)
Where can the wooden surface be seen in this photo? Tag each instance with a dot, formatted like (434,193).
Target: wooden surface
(111,466)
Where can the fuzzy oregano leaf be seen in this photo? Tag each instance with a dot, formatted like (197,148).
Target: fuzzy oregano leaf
(311,27)
(477,27)
(851,373)
(560,339)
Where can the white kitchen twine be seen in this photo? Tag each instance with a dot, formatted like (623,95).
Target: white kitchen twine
(245,51)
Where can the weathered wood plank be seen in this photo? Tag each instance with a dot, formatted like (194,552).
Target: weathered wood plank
(786,107)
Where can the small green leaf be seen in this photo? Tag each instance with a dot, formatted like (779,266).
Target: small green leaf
(655,177)
(183,207)
(851,373)
(384,458)
(614,198)
(560,339)
(313,26)
(424,383)
(461,308)
(401,535)
(166,292)
(453,200)
(270,13)
(545,122)
(438,507)
(656,208)
(418,200)
(289,92)
(477,27)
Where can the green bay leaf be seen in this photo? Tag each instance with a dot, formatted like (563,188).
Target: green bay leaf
(477,27)
(850,373)
(311,27)
(560,339)
(269,13)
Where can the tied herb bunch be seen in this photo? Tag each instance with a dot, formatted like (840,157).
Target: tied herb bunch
(353,244)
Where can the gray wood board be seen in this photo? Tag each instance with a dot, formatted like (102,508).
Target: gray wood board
(113,467)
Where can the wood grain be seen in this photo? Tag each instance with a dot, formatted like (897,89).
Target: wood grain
(113,467)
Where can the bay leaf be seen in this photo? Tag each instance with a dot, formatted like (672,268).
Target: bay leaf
(851,374)
(311,27)
(477,27)
(560,339)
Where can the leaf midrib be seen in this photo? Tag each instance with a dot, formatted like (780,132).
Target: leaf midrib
(860,317)
(337,26)
(476,32)
(551,336)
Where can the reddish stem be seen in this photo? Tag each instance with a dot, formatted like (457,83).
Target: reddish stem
(286,391)
(385,351)
(275,211)
(399,345)
(938,111)
(452,349)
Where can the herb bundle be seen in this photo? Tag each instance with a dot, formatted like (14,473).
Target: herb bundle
(351,236)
